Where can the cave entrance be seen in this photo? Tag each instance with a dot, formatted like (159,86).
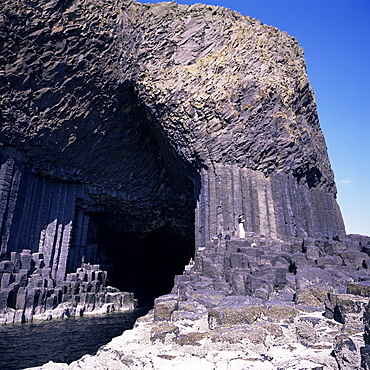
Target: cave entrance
(141,247)
(143,264)
(141,220)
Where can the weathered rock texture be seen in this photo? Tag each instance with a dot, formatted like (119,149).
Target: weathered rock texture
(139,98)
(28,291)
(297,304)
(122,124)
(132,135)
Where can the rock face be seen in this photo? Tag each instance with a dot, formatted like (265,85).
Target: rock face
(365,351)
(270,306)
(133,132)
(132,135)
(28,292)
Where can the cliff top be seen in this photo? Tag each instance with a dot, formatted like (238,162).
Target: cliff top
(211,85)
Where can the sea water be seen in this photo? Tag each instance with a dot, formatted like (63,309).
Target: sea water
(60,340)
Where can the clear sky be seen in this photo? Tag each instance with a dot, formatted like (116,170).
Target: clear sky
(335,36)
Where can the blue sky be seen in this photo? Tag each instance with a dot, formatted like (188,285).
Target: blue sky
(335,36)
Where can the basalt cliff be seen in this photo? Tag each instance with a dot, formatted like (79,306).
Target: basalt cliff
(132,137)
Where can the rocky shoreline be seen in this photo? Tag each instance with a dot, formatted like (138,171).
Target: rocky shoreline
(29,293)
(132,136)
(207,322)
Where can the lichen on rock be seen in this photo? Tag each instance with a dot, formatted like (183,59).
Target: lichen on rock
(132,137)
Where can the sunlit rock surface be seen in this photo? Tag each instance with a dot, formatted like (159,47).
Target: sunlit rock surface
(132,135)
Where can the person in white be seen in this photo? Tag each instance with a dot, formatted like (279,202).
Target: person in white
(241,226)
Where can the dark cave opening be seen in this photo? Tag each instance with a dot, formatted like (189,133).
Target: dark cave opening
(143,264)
(142,232)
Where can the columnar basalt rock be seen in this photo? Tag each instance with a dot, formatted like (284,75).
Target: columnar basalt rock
(266,307)
(283,270)
(272,298)
(131,137)
(28,291)
(207,99)
(122,124)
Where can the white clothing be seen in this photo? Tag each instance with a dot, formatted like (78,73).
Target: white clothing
(241,230)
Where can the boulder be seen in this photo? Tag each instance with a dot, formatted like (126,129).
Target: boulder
(313,286)
(280,311)
(347,353)
(354,259)
(189,310)
(208,297)
(164,306)
(346,309)
(307,330)
(361,288)
(163,331)
(234,311)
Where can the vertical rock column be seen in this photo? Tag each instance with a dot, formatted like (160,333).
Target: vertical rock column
(37,213)
(55,236)
(78,247)
(10,175)
(202,227)
(276,205)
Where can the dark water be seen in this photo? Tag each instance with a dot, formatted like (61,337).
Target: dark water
(64,340)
